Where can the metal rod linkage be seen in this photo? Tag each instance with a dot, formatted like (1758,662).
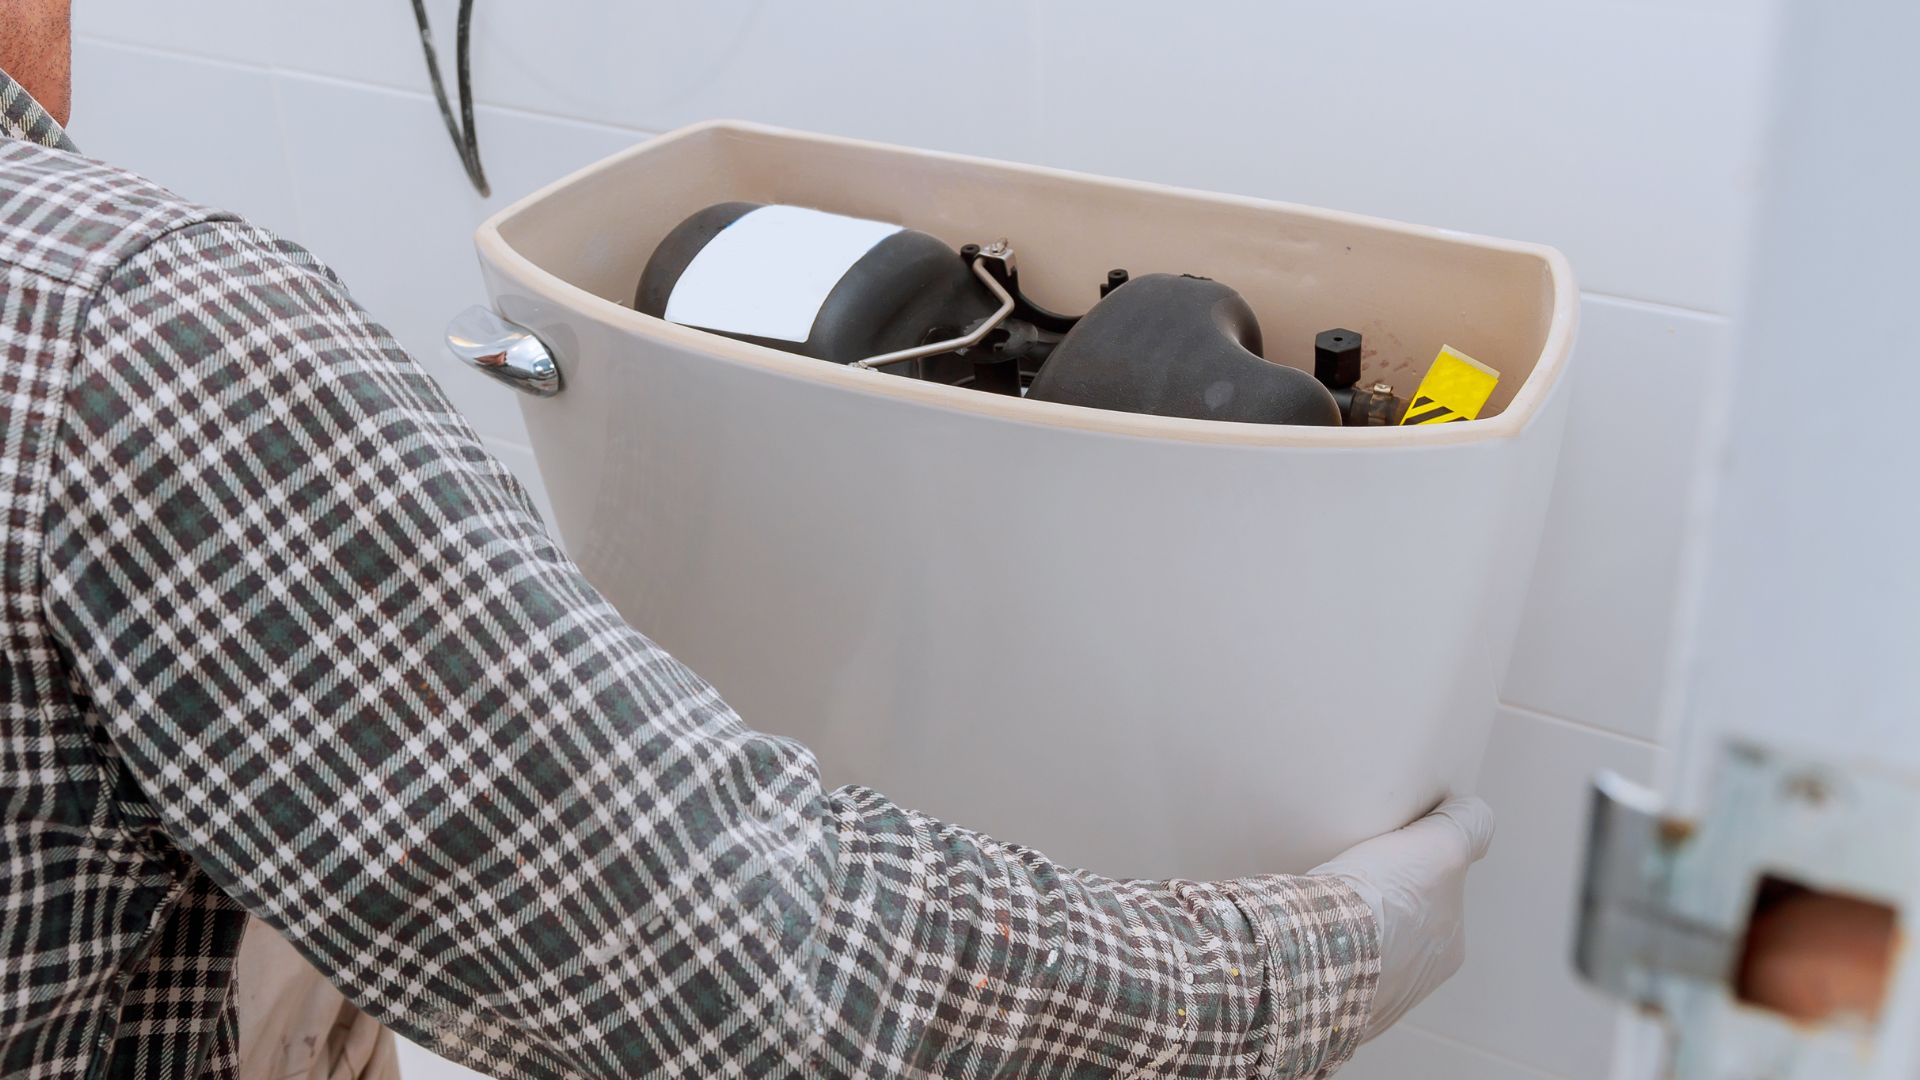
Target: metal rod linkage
(967,340)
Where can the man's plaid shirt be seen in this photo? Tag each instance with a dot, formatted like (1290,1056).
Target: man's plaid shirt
(279,636)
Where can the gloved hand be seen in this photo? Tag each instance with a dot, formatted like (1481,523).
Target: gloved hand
(1414,880)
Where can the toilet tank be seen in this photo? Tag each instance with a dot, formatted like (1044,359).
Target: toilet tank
(1147,646)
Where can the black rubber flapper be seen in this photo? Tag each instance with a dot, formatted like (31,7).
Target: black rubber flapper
(1173,345)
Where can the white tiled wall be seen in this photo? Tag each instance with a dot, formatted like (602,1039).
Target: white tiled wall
(1595,637)
(1623,131)
(1517,995)
(1406,1053)
(1619,131)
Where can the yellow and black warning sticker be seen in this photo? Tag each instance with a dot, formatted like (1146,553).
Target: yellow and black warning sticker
(1456,387)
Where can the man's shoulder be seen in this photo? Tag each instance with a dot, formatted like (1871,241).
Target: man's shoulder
(75,220)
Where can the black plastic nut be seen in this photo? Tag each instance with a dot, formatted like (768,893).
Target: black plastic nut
(1336,358)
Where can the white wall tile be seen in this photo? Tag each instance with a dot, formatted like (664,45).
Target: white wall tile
(1624,133)
(1407,1053)
(1518,997)
(387,204)
(1595,637)
(377,42)
(224,29)
(208,131)
(950,76)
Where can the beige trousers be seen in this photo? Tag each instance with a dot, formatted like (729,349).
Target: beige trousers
(295,1026)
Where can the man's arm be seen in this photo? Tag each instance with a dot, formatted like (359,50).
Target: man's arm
(328,634)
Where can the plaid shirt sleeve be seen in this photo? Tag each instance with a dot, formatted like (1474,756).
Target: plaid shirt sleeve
(329,636)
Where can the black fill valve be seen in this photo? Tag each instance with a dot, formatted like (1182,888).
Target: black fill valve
(872,295)
(1336,363)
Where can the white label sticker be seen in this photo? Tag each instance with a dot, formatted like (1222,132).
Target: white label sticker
(767,274)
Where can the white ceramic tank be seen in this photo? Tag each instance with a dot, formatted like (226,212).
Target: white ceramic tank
(1148,646)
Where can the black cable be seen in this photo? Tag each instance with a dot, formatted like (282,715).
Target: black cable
(466,141)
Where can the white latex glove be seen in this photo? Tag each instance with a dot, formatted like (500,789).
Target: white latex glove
(1414,880)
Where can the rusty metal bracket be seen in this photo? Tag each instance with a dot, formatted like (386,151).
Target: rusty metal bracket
(1665,904)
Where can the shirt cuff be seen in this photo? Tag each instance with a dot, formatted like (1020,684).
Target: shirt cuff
(1323,964)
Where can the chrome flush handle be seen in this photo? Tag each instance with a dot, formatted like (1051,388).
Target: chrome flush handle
(506,351)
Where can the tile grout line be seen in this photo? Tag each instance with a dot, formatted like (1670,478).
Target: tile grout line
(279,71)
(1462,1044)
(1654,307)
(1585,726)
(175,54)
(341,82)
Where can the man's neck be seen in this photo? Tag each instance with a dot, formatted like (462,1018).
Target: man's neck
(21,117)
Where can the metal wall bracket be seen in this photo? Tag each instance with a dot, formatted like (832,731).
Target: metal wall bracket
(503,350)
(1666,903)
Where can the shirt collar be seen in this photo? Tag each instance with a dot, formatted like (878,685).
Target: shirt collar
(21,117)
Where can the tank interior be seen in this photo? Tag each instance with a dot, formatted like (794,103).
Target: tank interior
(1408,291)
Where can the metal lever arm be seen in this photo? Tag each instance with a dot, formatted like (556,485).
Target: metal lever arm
(505,351)
(973,337)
